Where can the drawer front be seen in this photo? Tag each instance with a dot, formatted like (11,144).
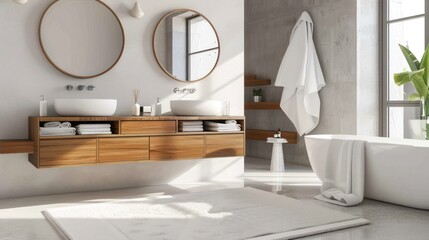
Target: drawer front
(226,145)
(176,147)
(147,127)
(67,152)
(123,149)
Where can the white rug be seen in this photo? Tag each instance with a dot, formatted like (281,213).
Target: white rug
(242,213)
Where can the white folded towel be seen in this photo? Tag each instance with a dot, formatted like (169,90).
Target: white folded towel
(216,124)
(190,123)
(91,126)
(57,125)
(94,130)
(92,133)
(65,125)
(191,130)
(215,129)
(231,121)
(344,173)
(52,131)
(58,134)
(52,124)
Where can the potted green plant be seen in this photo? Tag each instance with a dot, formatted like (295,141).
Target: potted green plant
(419,77)
(257,94)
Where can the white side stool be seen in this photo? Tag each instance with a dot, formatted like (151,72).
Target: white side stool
(277,160)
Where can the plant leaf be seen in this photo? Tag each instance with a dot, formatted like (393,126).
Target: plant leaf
(405,77)
(420,85)
(425,65)
(414,97)
(416,77)
(411,58)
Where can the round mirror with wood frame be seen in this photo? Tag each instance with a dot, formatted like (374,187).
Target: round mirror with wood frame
(81,38)
(186,45)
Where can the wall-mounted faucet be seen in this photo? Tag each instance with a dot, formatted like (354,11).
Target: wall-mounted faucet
(80,87)
(184,90)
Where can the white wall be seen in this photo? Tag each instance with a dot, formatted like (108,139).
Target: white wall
(25,74)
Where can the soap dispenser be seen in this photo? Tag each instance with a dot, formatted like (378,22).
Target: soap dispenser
(156,108)
(278,134)
(43,106)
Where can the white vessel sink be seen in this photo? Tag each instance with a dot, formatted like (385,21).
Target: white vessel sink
(196,107)
(85,107)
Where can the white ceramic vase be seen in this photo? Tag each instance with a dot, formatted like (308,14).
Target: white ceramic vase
(417,128)
(136,109)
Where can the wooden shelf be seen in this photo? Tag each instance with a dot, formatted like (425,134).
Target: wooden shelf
(16,146)
(137,135)
(252,81)
(142,118)
(262,135)
(144,138)
(262,105)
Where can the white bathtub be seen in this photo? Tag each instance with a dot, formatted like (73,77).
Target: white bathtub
(396,170)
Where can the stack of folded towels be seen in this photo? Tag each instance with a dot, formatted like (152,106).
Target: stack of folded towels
(94,128)
(228,126)
(57,129)
(191,126)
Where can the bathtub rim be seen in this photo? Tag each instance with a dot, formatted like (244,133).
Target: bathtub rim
(370,139)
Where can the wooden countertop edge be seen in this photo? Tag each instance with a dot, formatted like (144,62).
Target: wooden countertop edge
(132,118)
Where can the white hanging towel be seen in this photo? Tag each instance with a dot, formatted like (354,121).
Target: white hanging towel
(345,173)
(301,77)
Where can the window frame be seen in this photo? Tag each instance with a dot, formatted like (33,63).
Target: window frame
(188,42)
(386,103)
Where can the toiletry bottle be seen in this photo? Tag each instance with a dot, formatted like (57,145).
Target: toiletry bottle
(43,107)
(278,134)
(226,108)
(156,108)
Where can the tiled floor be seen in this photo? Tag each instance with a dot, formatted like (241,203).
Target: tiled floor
(22,219)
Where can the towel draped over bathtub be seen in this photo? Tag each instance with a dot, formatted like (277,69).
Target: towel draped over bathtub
(301,77)
(344,173)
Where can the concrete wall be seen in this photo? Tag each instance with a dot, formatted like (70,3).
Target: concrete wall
(25,74)
(349,96)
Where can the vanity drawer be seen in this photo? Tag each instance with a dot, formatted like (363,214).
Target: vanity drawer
(176,147)
(123,149)
(147,127)
(225,145)
(67,152)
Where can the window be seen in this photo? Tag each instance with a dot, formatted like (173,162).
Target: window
(404,22)
(202,49)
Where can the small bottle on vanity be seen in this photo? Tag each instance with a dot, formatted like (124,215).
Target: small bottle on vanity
(43,106)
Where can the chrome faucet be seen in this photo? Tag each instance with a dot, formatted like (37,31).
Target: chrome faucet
(80,87)
(184,90)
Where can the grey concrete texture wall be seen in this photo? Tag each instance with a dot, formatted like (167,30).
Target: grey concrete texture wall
(268,25)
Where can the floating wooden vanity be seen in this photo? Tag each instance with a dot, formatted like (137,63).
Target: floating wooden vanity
(133,139)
